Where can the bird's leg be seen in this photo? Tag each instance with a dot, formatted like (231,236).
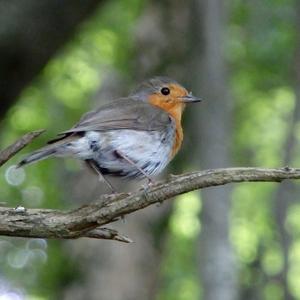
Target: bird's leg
(96,168)
(122,155)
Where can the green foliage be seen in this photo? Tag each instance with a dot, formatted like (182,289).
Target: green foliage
(180,280)
(263,37)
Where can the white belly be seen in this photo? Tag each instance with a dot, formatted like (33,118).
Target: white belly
(149,150)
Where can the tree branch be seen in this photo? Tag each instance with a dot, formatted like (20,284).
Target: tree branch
(86,220)
(11,150)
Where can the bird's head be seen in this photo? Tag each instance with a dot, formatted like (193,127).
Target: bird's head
(165,93)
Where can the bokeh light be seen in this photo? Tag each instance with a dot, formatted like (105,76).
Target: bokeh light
(15,176)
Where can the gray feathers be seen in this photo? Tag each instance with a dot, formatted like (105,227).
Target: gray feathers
(124,113)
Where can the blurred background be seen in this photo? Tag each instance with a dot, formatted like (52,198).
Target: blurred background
(60,58)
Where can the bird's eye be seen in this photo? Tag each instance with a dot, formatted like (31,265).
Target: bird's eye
(165,91)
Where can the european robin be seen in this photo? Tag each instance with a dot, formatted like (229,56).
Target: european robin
(133,137)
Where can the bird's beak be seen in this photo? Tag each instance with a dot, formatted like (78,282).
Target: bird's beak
(189,98)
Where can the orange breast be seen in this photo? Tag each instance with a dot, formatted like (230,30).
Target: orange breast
(178,140)
(175,109)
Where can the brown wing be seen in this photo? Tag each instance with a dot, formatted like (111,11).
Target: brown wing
(124,113)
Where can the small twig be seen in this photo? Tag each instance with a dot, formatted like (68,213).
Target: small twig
(87,220)
(107,234)
(11,150)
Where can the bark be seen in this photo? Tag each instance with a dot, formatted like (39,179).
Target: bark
(13,149)
(31,31)
(81,222)
(212,120)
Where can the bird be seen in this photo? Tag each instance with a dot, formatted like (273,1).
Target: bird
(131,137)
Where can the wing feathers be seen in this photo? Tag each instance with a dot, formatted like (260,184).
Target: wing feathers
(123,114)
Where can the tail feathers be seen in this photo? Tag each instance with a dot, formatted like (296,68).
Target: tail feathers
(37,155)
(57,147)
